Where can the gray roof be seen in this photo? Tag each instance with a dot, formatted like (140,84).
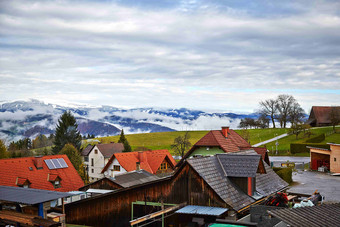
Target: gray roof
(87,150)
(211,170)
(270,182)
(202,210)
(134,178)
(29,195)
(239,165)
(315,216)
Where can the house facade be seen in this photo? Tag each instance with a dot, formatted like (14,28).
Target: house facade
(97,156)
(53,172)
(154,162)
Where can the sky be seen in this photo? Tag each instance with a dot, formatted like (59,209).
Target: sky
(206,55)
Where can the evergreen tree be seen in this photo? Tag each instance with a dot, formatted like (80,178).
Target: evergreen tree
(127,147)
(123,140)
(72,154)
(66,132)
(3,150)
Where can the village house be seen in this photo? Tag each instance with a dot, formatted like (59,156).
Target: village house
(53,172)
(155,162)
(330,159)
(229,180)
(321,115)
(222,141)
(97,156)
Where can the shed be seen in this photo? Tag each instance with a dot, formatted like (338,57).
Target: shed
(326,158)
(31,197)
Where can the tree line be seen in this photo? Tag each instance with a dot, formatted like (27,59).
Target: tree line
(282,109)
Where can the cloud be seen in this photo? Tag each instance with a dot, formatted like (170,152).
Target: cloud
(197,54)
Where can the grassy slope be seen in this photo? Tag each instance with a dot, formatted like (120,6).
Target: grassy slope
(284,143)
(163,140)
(155,141)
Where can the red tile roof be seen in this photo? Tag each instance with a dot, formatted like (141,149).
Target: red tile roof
(14,168)
(215,138)
(149,160)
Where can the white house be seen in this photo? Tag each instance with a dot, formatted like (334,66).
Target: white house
(97,156)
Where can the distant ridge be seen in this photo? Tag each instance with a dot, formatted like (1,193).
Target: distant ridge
(19,119)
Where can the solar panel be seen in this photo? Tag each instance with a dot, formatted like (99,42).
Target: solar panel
(56,163)
(63,163)
(49,164)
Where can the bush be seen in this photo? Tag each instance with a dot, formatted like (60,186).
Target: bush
(316,139)
(302,147)
(284,173)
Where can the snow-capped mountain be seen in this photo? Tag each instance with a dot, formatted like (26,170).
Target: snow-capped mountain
(20,119)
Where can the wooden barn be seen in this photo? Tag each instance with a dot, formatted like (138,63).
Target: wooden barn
(322,115)
(205,181)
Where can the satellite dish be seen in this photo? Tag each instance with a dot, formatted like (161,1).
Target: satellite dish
(106,173)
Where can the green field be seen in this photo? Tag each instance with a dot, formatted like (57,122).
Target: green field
(163,140)
(284,143)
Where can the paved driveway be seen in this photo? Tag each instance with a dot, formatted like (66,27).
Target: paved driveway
(308,182)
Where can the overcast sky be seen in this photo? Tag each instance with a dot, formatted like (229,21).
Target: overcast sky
(209,55)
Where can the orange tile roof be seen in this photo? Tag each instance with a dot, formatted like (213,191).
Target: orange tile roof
(149,160)
(14,168)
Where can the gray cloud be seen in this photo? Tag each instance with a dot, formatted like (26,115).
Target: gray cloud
(197,54)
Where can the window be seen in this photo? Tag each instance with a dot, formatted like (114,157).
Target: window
(57,184)
(92,162)
(334,159)
(92,170)
(116,168)
(96,151)
(163,166)
(86,158)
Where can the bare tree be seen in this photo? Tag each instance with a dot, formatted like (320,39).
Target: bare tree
(296,114)
(181,144)
(284,106)
(269,108)
(334,116)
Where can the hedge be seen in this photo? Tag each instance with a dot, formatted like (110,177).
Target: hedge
(284,173)
(302,147)
(316,139)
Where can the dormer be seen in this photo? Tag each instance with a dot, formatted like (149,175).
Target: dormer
(54,179)
(22,182)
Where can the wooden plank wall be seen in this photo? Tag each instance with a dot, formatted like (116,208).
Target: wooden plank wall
(114,209)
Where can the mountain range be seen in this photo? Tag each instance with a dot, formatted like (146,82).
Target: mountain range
(19,119)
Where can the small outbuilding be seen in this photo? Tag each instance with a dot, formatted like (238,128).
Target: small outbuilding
(330,159)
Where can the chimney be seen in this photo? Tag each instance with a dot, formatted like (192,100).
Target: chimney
(142,156)
(225,131)
(137,166)
(38,162)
